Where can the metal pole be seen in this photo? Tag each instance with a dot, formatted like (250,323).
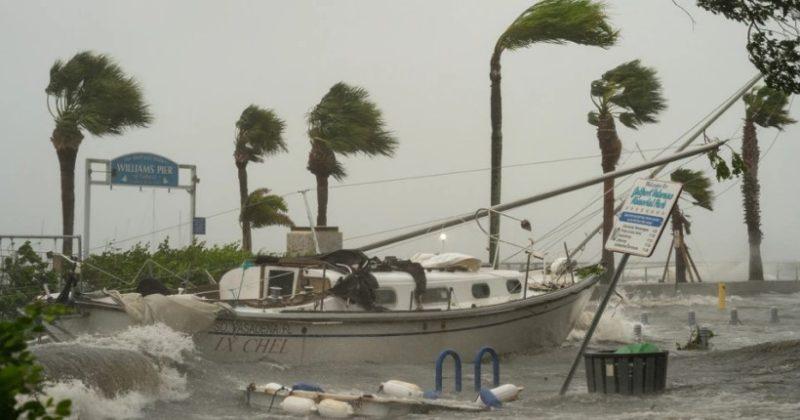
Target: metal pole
(310,221)
(87,206)
(683,146)
(542,196)
(192,200)
(527,273)
(595,321)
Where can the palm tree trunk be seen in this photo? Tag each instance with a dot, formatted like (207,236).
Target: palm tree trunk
(247,238)
(680,255)
(67,151)
(752,207)
(610,148)
(496,104)
(322,200)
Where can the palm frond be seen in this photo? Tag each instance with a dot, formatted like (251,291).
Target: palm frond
(558,22)
(259,133)
(697,185)
(264,209)
(634,90)
(97,94)
(348,122)
(767,107)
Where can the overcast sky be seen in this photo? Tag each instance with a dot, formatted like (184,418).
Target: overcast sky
(425,63)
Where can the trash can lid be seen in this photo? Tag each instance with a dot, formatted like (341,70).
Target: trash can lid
(638,348)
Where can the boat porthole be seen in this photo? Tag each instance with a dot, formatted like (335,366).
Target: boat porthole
(444,324)
(304,330)
(424,326)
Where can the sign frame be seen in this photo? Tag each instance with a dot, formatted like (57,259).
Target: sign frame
(643,217)
(103,166)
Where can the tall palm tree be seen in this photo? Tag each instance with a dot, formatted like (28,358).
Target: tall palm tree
(552,22)
(765,107)
(698,186)
(630,93)
(259,133)
(262,209)
(88,93)
(345,122)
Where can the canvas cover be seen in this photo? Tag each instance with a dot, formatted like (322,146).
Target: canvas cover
(186,313)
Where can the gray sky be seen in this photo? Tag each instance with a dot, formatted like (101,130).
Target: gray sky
(424,62)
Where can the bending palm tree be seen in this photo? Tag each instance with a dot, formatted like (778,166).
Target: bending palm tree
(630,93)
(259,133)
(549,21)
(698,186)
(765,107)
(89,92)
(262,209)
(345,122)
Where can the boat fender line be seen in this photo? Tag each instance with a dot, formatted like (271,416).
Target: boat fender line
(303,386)
(400,389)
(298,406)
(334,409)
(495,367)
(271,387)
(440,361)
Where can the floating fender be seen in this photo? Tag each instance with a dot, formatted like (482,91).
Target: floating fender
(272,388)
(496,396)
(334,409)
(507,392)
(401,389)
(298,406)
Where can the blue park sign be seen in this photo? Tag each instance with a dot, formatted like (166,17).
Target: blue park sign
(144,169)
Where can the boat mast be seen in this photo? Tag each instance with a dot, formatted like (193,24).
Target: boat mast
(542,196)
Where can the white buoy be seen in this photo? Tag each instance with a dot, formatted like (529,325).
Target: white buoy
(298,406)
(272,388)
(334,409)
(401,389)
(507,392)
(504,393)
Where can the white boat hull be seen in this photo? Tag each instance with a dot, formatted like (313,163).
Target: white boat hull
(300,338)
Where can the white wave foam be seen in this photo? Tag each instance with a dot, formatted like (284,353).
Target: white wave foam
(613,326)
(155,340)
(165,346)
(87,403)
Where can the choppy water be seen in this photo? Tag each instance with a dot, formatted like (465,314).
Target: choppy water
(753,371)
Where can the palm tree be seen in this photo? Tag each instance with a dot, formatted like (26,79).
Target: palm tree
(259,133)
(262,209)
(766,107)
(630,93)
(89,92)
(698,186)
(549,21)
(345,122)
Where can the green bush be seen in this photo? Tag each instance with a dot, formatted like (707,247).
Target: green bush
(19,373)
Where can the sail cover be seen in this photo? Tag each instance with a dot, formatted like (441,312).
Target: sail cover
(185,313)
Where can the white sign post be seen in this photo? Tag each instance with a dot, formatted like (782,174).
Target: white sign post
(637,228)
(642,219)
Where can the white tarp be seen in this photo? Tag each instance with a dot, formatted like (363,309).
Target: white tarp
(447,260)
(186,313)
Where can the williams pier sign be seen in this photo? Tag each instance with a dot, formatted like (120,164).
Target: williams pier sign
(145,169)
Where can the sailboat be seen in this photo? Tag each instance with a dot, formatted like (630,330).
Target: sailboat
(347,307)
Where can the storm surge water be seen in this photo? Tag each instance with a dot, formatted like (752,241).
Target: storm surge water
(118,376)
(752,370)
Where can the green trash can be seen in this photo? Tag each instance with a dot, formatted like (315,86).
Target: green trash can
(626,373)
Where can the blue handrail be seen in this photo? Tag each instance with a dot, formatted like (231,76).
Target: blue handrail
(495,367)
(440,361)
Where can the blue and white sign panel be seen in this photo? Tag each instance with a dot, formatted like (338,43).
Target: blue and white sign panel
(638,226)
(199,226)
(144,169)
